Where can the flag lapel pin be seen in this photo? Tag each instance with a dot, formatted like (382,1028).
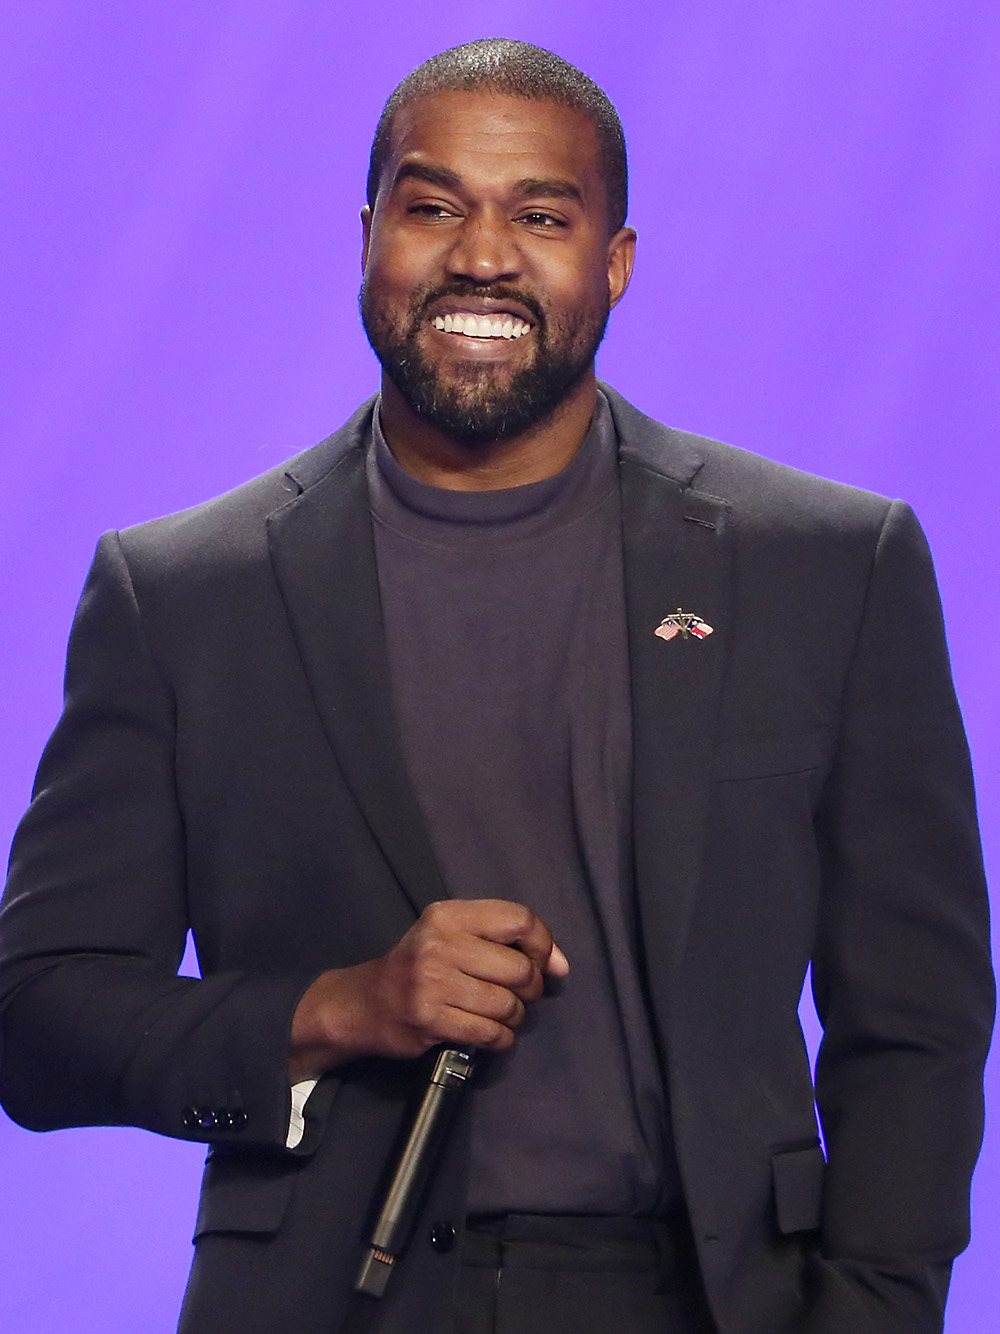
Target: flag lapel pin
(683,623)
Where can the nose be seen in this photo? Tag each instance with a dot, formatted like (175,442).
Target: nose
(485,251)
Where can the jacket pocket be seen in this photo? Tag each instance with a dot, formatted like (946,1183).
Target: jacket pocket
(766,756)
(243,1193)
(798,1188)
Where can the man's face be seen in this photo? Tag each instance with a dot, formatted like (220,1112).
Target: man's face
(488,268)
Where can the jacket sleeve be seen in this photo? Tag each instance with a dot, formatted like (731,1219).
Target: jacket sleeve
(901,971)
(97,1027)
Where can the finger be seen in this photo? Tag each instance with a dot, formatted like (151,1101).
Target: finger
(534,939)
(502,965)
(558,964)
(508,924)
(473,1030)
(487,1001)
(455,1026)
(505,923)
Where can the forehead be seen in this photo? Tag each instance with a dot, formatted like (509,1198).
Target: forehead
(491,138)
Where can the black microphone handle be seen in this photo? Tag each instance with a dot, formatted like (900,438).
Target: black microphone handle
(452,1069)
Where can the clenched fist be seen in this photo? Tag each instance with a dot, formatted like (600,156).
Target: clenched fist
(462,975)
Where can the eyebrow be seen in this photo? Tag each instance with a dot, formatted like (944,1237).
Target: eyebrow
(422,171)
(553,189)
(527,187)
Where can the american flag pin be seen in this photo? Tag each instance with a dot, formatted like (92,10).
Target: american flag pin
(683,623)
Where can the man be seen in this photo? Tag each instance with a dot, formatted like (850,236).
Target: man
(507,718)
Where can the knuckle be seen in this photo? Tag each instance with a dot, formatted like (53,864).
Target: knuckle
(435,914)
(500,1038)
(428,947)
(524,971)
(535,987)
(524,918)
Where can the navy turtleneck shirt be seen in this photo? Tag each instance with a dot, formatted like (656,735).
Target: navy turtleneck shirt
(505,627)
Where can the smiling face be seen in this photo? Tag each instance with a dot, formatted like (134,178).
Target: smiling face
(488,268)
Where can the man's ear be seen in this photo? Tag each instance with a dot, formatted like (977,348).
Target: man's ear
(366,235)
(621,257)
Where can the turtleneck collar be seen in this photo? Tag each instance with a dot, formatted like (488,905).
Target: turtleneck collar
(438,514)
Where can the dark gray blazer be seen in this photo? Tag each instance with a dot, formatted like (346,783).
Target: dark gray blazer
(227,760)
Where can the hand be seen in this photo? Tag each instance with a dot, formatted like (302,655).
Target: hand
(462,974)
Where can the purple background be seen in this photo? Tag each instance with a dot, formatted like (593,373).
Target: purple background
(816,191)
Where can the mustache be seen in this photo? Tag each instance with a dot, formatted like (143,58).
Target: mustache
(487,291)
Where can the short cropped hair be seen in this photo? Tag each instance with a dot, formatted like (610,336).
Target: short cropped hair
(516,69)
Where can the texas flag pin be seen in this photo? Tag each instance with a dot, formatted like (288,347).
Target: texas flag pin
(683,623)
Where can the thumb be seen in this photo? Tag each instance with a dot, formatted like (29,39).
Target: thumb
(557,965)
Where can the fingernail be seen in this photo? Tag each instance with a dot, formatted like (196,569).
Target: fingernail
(558,963)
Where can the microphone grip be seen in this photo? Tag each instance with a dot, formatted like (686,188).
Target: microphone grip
(452,1069)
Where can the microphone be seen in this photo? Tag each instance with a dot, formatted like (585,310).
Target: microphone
(452,1069)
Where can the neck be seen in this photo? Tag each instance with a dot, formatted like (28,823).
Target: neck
(491,465)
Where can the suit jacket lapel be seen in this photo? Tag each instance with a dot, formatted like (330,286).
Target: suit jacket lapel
(324,561)
(677,556)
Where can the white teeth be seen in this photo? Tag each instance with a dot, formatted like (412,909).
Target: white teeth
(482,326)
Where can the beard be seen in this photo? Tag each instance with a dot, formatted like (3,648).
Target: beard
(472,401)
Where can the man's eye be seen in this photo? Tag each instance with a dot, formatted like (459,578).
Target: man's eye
(539,219)
(430,210)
